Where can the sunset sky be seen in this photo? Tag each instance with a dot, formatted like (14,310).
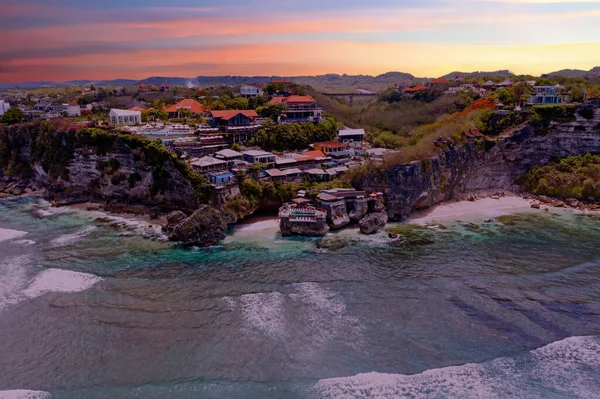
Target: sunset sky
(80,39)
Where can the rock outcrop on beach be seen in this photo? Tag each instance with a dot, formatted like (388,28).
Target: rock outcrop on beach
(203,228)
(373,222)
(472,167)
(337,215)
(316,229)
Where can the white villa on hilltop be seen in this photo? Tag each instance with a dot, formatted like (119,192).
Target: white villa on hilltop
(124,117)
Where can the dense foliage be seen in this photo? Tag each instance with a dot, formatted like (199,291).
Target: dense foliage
(573,177)
(295,136)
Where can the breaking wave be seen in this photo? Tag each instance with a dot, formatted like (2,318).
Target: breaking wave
(8,234)
(564,369)
(67,239)
(17,283)
(57,280)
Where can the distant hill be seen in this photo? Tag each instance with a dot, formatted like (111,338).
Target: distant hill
(323,83)
(577,73)
(481,74)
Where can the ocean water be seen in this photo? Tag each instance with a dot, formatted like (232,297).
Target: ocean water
(96,307)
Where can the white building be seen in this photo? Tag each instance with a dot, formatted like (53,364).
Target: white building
(4,106)
(72,109)
(124,117)
(352,137)
(248,91)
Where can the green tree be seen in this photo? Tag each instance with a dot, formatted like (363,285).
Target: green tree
(237,103)
(236,147)
(272,111)
(13,115)
(273,88)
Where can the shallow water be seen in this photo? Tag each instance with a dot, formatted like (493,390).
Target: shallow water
(487,311)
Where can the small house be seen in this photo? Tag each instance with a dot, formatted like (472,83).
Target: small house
(257,156)
(232,118)
(125,117)
(352,137)
(184,107)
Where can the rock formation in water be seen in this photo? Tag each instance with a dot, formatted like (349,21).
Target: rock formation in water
(203,228)
(422,184)
(373,222)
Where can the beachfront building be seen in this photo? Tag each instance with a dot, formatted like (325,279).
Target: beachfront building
(352,137)
(249,91)
(187,106)
(125,117)
(299,108)
(548,95)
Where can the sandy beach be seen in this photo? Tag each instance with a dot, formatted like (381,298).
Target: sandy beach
(481,209)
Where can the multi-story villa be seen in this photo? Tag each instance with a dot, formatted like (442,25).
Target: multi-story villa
(299,108)
(548,95)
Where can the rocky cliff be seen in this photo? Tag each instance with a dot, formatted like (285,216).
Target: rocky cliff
(77,165)
(472,167)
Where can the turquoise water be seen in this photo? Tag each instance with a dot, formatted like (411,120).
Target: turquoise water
(90,310)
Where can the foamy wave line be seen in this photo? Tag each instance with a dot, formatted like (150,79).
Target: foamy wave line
(57,280)
(70,238)
(8,234)
(24,394)
(567,368)
(15,286)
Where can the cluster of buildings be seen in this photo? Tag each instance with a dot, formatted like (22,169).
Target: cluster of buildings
(542,94)
(322,162)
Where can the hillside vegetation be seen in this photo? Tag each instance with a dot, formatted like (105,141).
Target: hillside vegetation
(574,177)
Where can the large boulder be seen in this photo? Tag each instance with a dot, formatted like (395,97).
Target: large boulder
(361,207)
(203,228)
(337,215)
(373,222)
(316,229)
(174,219)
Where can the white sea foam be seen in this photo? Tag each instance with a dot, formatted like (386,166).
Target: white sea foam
(13,279)
(265,312)
(67,239)
(567,368)
(8,234)
(325,314)
(17,285)
(24,394)
(57,280)
(24,243)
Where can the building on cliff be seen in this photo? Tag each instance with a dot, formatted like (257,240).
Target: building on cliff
(303,220)
(549,95)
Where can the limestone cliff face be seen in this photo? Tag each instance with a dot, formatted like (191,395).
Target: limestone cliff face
(122,176)
(422,184)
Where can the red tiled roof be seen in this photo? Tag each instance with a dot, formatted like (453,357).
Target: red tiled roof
(73,103)
(194,106)
(137,109)
(228,114)
(473,133)
(415,89)
(165,84)
(310,156)
(330,144)
(292,100)
(439,80)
